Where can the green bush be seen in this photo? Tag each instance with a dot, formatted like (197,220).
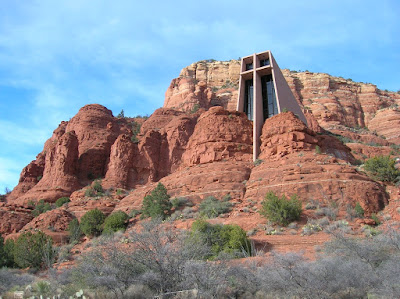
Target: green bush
(61,201)
(280,210)
(115,222)
(212,207)
(178,202)
(382,168)
(257,162)
(376,219)
(230,239)
(135,131)
(95,190)
(8,254)
(359,210)
(33,250)
(157,204)
(90,192)
(40,208)
(92,223)
(318,150)
(2,260)
(97,187)
(74,231)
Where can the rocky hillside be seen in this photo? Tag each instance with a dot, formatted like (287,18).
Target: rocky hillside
(197,150)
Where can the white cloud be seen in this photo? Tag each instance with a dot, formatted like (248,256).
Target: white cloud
(123,54)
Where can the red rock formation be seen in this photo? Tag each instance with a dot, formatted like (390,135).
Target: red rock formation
(205,153)
(59,176)
(30,176)
(204,84)
(387,123)
(54,220)
(120,173)
(13,218)
(331,101)
(293,165)
(196,183)
(96,130)
(220,135)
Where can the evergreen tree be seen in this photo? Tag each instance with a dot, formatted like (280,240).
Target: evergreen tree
(157,204)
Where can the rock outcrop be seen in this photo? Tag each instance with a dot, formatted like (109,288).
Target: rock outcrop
(220,135)
(315,167)
(13,218)
(331,101)
(198,150)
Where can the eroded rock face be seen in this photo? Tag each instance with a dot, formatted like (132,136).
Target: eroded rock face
(13,218)
(120,173)
(387,123)
(292,164)
(220,135)
(77,152)
(30,176)
(59,176)
(96,130)
(54,220)
(204,84)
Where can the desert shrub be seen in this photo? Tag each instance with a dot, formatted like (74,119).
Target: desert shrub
(11,279)
(33,250)
(195,108)
(61,201)
(95,190)
(89,192)
(178,202)
(227,239)
(312,205)
(41,207)
(382,168)
(157,204)
(318,149)
(310,228)
(212,207)
(106,268)
(257,162)
(164,251)
(359,210)
(92,223)
(97,187)
(115,222)
(7,253)
(134,213)
(326,211)
(74,231)
(120,192)
(376,219)
(2,256)
(280,210)
(135,131)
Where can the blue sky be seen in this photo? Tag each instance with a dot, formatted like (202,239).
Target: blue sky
(56,56)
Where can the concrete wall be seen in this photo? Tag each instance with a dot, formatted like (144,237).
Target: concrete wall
(283,94)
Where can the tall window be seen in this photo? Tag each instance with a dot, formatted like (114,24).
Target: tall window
(270,107)
(248,99)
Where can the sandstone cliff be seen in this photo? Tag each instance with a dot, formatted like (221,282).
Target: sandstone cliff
(332,101)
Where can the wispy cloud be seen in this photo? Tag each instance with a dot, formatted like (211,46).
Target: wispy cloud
(123,54)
